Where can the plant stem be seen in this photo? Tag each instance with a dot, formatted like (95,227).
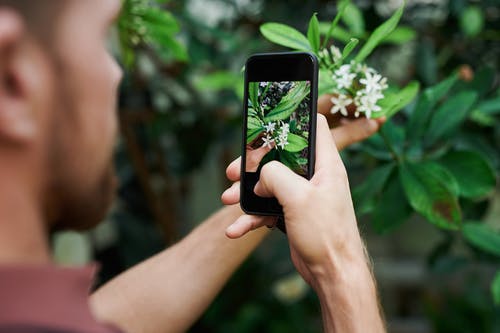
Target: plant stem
(387,142)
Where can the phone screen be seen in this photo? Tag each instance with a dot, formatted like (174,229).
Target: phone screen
(279,121)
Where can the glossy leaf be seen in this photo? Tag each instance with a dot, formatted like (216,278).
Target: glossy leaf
(450,115)
(483,237)
(285,35)
(474,176)
(392,209)
(253,94)
(419,118)
(289,102)
(313,33)
(429,195)
(373,184)
(349,47)
(296,143)
(401,35)
(398,100)
(379,34)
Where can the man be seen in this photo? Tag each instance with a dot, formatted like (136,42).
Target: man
(57,128)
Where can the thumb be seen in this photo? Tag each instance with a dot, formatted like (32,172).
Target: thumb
(277,180)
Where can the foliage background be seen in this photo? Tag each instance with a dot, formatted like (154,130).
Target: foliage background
(180,113)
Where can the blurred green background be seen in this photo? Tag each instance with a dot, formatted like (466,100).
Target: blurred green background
(180,116)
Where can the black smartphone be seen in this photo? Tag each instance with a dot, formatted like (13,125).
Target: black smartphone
(279,121)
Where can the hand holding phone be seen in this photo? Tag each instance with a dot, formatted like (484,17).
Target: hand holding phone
(279,121)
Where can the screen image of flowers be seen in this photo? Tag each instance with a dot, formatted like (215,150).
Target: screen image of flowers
(278,124)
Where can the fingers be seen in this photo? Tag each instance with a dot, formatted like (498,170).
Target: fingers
(233,171)
(231,196)
(253,158)
(324,104)
(356,130)
(277,180)
(246,223)
(326,151)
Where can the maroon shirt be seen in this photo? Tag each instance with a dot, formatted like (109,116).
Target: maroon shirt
(47,299)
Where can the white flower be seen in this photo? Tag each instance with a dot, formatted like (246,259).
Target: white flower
(371,81)
(335,52)
(270,127)
(344,77)
(340,103)
(368,105)
(268,142)
(285,128)
(282,140)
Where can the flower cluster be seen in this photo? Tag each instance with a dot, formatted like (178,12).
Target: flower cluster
(276,135)
(360,85)
(330,57)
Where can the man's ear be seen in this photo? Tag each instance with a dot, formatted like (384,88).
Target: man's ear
(17,123)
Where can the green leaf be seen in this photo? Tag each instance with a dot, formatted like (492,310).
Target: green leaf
(253,94)
(154,18)
(296,143)
(349,47)
(429,195)
(253,133)
(289,102)
(373,184)
(218,80)
(495,288)
(472,21)
(168,46)
(387,215)
(450,115)
(339,34)
(483,237)
(285,35)
(353,19)
(253,123)
(474,176)
(342,5)
(491,106)
(420,116)
(379,34)
(401,35)
(313,33)
(398,100)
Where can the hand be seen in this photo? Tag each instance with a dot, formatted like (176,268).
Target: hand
(349,132)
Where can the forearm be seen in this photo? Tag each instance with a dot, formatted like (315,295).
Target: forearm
(348,297)
(168,292)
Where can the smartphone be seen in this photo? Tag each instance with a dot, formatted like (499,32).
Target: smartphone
(279,122)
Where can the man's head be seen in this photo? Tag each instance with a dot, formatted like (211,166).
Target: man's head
(58,87)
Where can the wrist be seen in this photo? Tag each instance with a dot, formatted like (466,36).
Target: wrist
(348,295)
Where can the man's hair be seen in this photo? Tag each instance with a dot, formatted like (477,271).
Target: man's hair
(40,16)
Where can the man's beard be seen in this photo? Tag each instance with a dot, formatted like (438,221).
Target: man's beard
(81,207)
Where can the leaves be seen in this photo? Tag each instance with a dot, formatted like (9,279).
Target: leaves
(371,186)
(289,102)
(483,237)
(296,143)
(429,194)
(379,34)
(495,288)
(353,19)
(419,118)
(349,48)
(253,94)
(285,35)
(387,215)
(450,115)
(340,11)
(313,33)
(393,103)
(474,176)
